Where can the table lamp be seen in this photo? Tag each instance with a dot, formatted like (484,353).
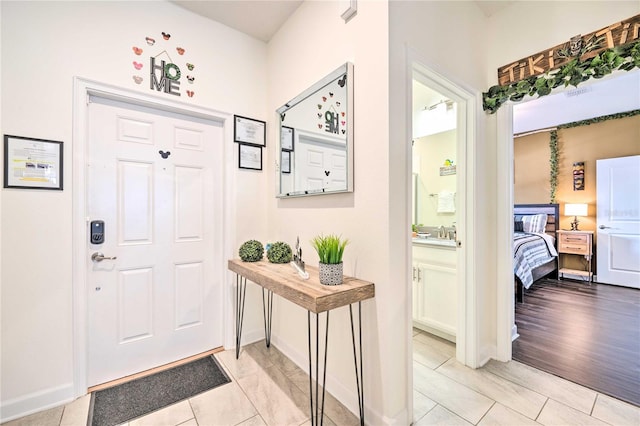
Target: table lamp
(575,210)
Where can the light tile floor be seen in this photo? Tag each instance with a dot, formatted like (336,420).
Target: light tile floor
(269,389)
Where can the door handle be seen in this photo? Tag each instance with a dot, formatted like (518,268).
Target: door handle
(604,227)
(99,257)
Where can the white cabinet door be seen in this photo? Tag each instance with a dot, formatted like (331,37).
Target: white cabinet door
(435,292)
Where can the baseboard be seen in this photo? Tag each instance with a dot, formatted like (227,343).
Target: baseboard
(514,332)
(35,402)
(347,396)
(251,337)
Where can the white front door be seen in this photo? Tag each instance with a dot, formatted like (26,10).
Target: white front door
(155,179)
(320,162)
(618,221)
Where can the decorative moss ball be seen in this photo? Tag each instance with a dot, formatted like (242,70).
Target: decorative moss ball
(251,251)
(279,252)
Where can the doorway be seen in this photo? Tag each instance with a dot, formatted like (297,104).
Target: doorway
(166,221)
(447,99)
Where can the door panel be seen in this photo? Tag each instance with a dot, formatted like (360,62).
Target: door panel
(155,178)
(618,221)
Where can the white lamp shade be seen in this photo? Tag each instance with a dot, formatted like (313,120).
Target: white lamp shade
(575,209)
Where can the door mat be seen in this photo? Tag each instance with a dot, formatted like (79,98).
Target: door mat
(121,403)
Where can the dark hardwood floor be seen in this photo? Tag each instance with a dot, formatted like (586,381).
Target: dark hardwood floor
(588,334)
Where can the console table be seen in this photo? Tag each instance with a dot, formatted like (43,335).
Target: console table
(316,298)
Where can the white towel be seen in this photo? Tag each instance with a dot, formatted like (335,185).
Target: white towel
(446,202)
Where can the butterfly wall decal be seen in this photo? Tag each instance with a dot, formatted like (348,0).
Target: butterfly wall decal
(164,155)
(150,41)
(342,81)
(137,65)
(166,36)
(137,50)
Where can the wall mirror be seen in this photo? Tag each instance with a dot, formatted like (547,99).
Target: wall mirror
(316,138)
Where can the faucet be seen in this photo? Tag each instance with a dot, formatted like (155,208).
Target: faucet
(454,232)
(442,232)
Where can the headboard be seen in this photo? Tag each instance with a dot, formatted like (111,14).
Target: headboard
(552,211)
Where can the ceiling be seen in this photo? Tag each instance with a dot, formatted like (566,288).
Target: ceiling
(265,17)
(258,18)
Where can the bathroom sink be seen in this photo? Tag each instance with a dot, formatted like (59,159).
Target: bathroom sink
(435,241)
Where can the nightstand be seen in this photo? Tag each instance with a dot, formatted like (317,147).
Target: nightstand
(575,243)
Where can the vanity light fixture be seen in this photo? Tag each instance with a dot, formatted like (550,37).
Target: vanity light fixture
(575,210)
(447,102)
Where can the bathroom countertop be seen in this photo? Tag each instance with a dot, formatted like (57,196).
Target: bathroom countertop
(434,242)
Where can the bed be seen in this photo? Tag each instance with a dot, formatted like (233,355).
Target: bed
(534,244)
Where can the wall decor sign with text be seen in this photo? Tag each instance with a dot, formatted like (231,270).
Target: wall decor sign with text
(162,64)
(249,131)
(32,163)
(578,176)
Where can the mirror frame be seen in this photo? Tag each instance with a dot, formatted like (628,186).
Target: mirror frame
(347,69)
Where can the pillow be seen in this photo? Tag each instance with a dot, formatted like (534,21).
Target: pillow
(518,226)
(535,223)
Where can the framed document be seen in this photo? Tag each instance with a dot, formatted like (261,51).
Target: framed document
(250,157)
(285,162)
(286,138)
(249,131)
(32,163)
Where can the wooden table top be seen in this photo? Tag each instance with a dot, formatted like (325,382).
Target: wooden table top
(283,280)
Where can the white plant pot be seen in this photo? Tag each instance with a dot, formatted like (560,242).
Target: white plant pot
(330,274)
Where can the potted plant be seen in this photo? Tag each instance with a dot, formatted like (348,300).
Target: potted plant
(330,250)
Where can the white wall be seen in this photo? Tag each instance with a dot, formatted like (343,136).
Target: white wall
(314,42)
(44,45)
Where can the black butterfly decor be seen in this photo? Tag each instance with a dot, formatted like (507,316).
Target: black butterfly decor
(327,172)
(164,155)
(342,81)
(282,116)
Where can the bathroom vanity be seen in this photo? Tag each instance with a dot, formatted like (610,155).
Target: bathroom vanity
(435,286)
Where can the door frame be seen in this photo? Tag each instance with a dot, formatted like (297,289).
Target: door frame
(467,310)
(83,88)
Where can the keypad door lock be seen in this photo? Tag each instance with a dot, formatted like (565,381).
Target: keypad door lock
(96,232)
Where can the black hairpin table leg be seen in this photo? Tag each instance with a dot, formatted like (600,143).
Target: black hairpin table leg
(317,414)
(358,359)
(267,314)
(241,291)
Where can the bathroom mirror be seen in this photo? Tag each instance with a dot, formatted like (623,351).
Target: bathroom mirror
(315,150)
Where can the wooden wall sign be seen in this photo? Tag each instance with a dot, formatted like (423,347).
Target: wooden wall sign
(582,47)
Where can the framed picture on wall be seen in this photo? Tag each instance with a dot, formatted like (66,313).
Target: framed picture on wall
(31,163)
(286,138)
(249,131)
(250,157)
(285,162)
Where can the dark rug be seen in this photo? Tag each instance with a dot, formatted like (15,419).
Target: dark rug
(121,403)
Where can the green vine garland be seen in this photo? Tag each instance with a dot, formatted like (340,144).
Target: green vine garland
(553,163)
(625,57)
(600,119)
(553,145)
